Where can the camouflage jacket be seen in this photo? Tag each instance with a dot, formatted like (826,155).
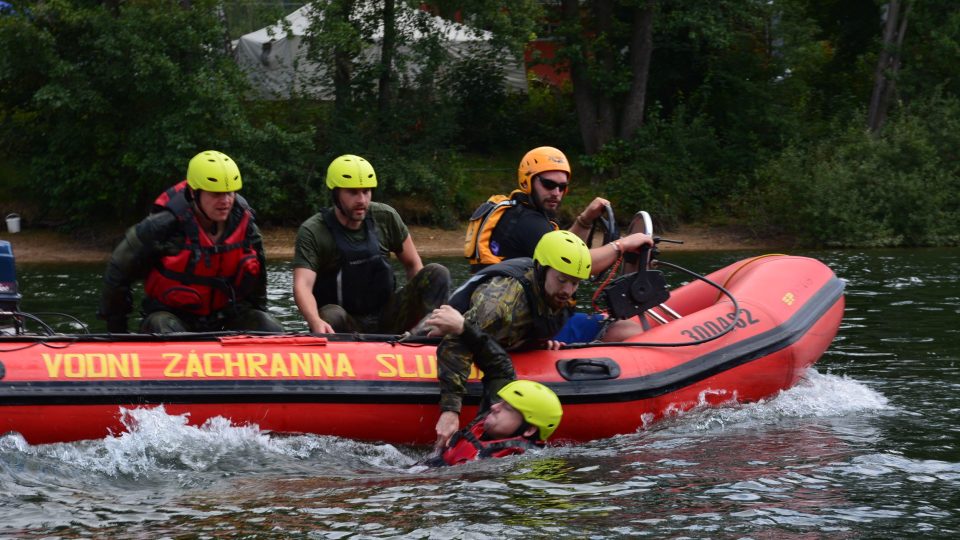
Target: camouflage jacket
(499,320)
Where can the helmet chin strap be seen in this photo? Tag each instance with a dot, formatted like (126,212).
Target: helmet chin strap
(195,200)
(521,431)
(539,273)
(339,212)
(334,194)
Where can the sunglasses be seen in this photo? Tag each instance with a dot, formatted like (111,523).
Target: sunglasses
(550,185)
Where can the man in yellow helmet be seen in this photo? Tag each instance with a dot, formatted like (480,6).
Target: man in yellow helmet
(518,304)
(201,255)
(529,413)
(505,228)
(342,278)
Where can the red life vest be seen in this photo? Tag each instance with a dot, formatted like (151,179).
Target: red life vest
(203,277)
(466,445)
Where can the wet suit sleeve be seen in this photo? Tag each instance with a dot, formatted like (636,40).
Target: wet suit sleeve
(131,260)
(257,298)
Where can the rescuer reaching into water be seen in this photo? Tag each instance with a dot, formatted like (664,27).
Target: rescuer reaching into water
(514,305)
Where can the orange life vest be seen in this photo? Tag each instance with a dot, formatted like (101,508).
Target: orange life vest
(476,246)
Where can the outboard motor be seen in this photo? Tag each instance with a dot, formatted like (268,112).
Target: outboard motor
(9,293)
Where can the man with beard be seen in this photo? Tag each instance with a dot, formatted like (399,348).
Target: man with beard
(201,255)
(508,227)
(529,413)
(518,304)
(505,228)
(342,278)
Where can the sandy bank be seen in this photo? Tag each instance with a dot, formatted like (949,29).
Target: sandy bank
(40,245)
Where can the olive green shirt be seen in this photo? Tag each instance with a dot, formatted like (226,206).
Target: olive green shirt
(315,248)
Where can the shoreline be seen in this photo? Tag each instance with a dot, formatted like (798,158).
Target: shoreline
(48,246)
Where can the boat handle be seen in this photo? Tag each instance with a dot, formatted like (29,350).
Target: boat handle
(588,369)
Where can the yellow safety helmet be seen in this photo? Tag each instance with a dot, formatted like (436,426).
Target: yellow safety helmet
(213,171)
(350,171)
(565,252)
(537,403)
(538,160)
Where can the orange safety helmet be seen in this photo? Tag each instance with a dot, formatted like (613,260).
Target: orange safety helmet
(538,160)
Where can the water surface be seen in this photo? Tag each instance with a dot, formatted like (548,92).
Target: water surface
(867,445)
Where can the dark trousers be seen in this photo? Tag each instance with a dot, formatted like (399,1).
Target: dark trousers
(165,322)
(428,290)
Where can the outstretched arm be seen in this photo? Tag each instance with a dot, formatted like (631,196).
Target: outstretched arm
(410,258)
(478,337)
(131,260)
(454,357)
(303,281)
(581,226)
(605,255)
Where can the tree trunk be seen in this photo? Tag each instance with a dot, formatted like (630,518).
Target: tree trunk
(606,57)
(227,42)
(888,65)
(342,62)
(641,50)
(579,77)
(595,110)
(385,95)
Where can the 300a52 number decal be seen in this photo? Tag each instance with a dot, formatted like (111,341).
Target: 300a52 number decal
(711,329)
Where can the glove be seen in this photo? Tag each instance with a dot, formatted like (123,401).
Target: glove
(248,280)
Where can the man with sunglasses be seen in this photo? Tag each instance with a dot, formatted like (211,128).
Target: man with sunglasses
(506,228)
(510,227)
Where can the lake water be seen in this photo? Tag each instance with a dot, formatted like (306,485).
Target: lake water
(867,446)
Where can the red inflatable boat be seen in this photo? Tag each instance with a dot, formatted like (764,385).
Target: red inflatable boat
(778,315)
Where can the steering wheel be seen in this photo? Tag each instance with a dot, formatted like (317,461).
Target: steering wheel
(641,223)
(610,230)
(647,222)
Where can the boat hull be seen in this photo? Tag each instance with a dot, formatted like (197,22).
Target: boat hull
(65,388)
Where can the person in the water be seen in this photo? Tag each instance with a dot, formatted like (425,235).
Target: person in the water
(528,415)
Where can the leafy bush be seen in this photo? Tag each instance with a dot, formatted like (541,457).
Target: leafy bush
(856,189)
(670,168)
(424,191)
(106,103)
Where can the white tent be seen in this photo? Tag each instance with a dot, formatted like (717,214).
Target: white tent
(276,60)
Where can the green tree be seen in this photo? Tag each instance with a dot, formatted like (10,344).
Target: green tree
(607,45)
(855,188)
(888,62)
(103,103)
(928,53)
(401,93)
